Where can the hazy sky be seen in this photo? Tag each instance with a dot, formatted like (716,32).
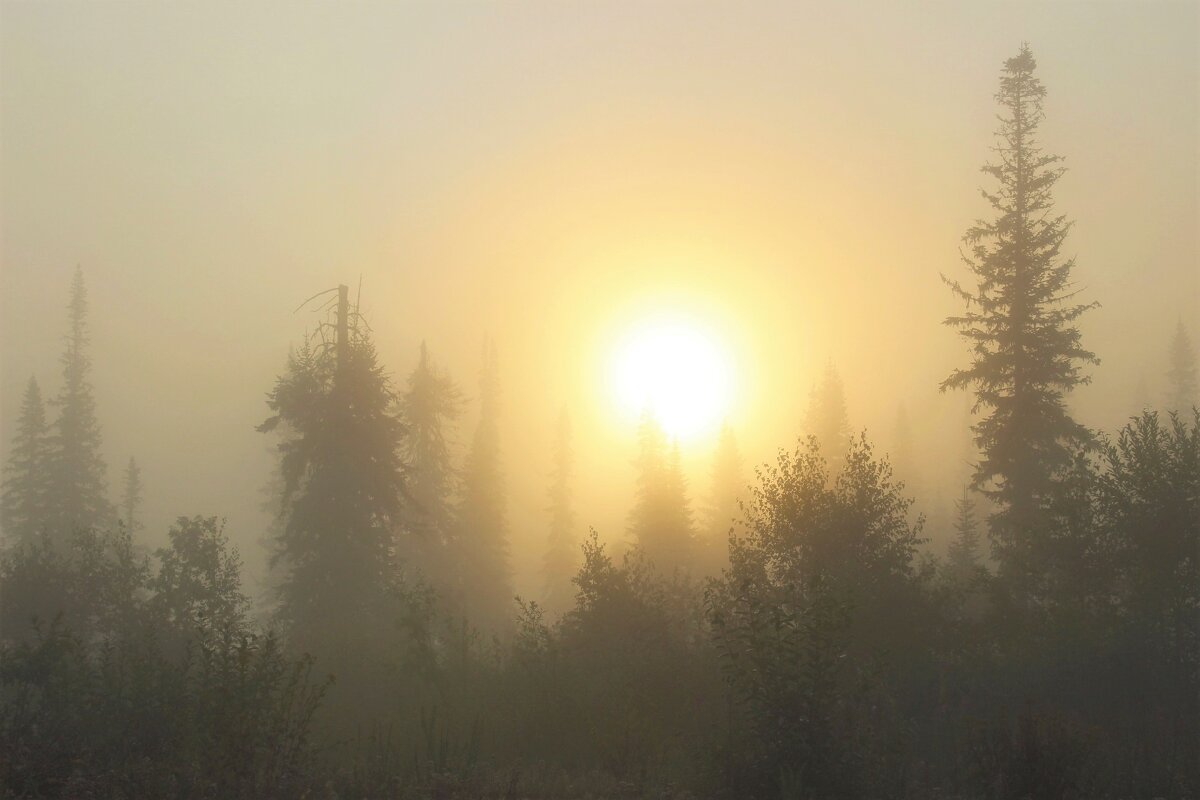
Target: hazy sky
(794,175)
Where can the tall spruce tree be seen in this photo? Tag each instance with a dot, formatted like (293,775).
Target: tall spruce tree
(725,493)
(78,483)
(661,521)
(131,496)
(342,497)
(963,553)
(25,502)
(827,419)
(1025,347)
(562,546)
(1183,385)
(482,546)
(430,408)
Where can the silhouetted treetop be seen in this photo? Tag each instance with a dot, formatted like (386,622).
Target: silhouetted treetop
(1183,377)
(78,480)
(1019,322)
(25,506)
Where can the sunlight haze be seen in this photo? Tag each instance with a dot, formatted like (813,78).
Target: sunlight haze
(797,174)
(600,399)
(676,371)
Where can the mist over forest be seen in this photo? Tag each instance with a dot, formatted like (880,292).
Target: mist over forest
(600,401)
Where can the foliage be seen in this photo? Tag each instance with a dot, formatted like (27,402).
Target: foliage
(963,555)
(1036,756)
(625,683)
(78,480)
(1183,375)
(107,690)
(485,579)
(830,658)
(96,584)
(724,504)
(824,662)
(1025,345)
(808,618)
(343,495)
(660,523)
(25,505)
(198,585)
(559,563)
(826,418)
(430,407)
(1149,499)
(131,495)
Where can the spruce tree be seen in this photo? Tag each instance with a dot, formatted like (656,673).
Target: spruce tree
(559,565)
(1182,382)
(482,546)
(78,482)
(131,495)
(25,505)
(680,535)
(661,521)
(1020,322)
(342,497)
(904,466)
(723,503)
(963,553)
(430,408)
(827,419)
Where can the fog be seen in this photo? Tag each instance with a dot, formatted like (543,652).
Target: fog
(793,178)
(801,175)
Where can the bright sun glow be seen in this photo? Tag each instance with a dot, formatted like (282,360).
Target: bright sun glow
(676,370)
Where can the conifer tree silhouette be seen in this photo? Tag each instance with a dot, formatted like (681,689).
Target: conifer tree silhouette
(25,503)
(78,480)
(1026,353)
(486,575)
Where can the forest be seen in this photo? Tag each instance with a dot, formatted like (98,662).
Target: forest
(784,630)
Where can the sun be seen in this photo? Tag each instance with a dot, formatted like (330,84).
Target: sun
(675,369)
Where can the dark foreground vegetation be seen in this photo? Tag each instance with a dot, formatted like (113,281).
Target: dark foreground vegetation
(828,661)
(819,652)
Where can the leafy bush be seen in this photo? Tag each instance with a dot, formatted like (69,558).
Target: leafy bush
(812,621)
(158,688)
